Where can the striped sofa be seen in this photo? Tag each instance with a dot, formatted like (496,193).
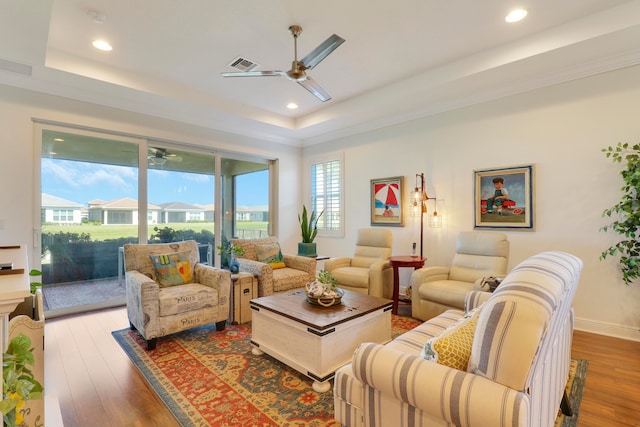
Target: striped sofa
(516,373)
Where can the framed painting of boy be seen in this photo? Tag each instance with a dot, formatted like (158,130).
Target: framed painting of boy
(503,197)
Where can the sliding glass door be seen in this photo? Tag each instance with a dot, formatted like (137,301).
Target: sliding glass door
(89,187)
(245,198)
(181,194)
(101,191)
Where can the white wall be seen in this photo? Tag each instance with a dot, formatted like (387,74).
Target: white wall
(18,192)
(561,130)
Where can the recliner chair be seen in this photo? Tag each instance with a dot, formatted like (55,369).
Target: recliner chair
(437,289)
(368,271)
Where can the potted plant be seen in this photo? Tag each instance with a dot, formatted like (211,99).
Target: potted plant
(324,290)
(230,254)
(26,326)
(627,212)
(309,228)
(19,383)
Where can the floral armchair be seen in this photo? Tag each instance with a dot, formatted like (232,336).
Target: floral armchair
(169,291)
(275,272)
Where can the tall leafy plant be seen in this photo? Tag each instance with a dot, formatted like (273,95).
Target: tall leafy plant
(627,212)
(309,225)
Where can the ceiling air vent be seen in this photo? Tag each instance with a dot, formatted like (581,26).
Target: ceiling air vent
(15,67)
(243,64)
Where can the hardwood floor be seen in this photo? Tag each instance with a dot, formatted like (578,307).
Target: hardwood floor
(97,385)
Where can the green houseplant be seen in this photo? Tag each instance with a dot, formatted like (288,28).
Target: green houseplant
(309,229)
(324,290)
(229,255)
(18,382)
(626,213)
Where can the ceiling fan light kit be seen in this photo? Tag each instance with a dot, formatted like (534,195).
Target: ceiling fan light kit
(298,71)
(159,156)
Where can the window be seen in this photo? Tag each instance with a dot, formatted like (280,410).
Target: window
(62,215)
(326,195)
(245,198)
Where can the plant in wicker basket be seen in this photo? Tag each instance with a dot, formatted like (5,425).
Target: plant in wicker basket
(324,290)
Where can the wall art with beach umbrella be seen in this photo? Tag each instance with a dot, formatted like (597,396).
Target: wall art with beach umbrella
(386,201)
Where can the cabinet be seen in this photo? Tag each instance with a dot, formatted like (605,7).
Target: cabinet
(14,288)
(244,287)
(33,328)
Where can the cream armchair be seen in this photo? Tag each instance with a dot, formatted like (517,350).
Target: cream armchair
(296,273)
(368,271)
(157,310)
(437,289)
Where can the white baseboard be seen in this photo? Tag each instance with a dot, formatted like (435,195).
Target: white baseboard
(608,329)
(52,414)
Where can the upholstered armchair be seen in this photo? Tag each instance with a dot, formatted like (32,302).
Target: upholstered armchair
(368,271)
(437,289)
(275,272)
(169,291)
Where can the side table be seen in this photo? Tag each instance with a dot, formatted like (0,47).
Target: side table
(398,262)
(244,287)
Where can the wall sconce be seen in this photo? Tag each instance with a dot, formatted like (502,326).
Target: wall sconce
(419,207)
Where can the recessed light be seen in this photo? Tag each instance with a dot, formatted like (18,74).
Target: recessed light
(292,105)
(58,139)
(102,45)
(516,15)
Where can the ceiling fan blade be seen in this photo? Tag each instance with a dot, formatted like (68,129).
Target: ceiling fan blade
(313,87)
(254,74)
(321,52)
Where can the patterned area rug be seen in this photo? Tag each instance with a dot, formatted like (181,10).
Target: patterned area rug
(575,387)
(210,378)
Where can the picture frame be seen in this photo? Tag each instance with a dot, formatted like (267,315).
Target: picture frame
(515,210)
(387,203)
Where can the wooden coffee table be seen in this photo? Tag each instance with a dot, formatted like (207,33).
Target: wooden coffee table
(316,340)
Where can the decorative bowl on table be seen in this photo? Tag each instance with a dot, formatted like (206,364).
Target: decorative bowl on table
(322,294)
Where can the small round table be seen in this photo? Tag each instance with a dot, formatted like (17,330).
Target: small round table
(398,262)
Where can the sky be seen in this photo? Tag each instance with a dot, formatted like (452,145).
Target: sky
(81,182)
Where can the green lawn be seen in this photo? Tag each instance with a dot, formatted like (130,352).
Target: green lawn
(104,232)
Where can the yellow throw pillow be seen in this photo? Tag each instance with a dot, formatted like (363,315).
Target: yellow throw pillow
(172,269)
(271,254)
(452,347)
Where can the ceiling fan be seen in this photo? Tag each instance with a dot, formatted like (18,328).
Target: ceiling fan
(159,156)
(298,71)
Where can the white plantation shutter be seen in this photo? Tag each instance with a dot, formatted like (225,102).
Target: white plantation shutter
(326,195)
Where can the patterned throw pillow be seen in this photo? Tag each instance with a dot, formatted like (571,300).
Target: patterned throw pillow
(271,254)
(452,347)
(172,269)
